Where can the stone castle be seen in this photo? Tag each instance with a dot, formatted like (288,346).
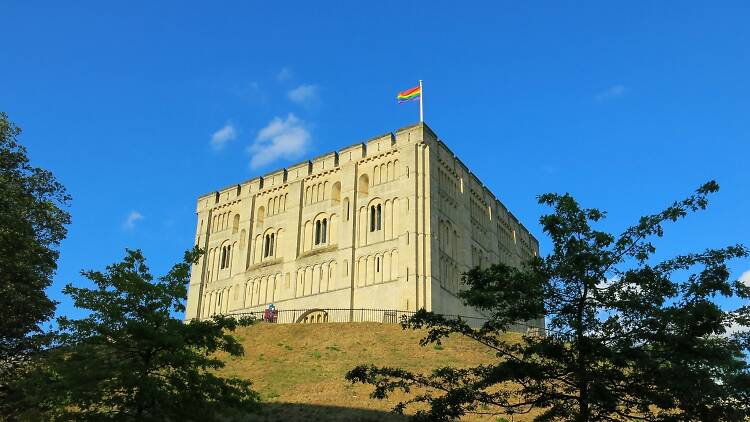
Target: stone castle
(391,223)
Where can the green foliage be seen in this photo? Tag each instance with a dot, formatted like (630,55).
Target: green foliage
(32,224)
(130,359)
(628,339)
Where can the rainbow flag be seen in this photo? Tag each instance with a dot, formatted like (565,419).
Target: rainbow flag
(409,94)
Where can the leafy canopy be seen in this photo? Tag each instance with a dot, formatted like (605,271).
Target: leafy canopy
(130,359)
(627,338)
(32,224)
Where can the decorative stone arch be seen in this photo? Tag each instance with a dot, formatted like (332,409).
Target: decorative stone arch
(261,216)
(332,276)
(316,279)
(333,226)
(312,316)
(363,184)
(236,223)
(277,250)
(242,239)
(361,271)
(258,249)
(378,273)
(336,192)
(376,178)
(394,264)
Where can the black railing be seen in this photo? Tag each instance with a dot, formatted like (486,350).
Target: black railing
(385,316)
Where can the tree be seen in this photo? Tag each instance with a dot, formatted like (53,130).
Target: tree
(628,338)
(32,224)
(130,359)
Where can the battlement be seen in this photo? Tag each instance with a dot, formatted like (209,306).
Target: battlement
(392,221)
(322,163)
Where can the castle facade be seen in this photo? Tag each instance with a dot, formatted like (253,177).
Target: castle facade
(391,223)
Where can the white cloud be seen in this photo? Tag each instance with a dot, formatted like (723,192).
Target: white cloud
(133,218)
(304,94)
(615,91)
(223,135)
(745,278)
(284,74)
(282,138)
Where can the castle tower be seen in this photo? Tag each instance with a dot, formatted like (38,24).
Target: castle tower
(391,223)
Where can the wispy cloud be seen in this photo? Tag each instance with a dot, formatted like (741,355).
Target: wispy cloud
(132,219)
(305,95)
(251,92)
(614,91)
(281,139)
(284,74)
(223,135)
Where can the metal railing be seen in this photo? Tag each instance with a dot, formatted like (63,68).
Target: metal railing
(384,316)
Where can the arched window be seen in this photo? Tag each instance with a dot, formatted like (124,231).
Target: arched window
(268,245)
(226,252)
(376,217)
(321,231)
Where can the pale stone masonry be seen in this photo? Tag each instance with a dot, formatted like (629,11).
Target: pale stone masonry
(391,223)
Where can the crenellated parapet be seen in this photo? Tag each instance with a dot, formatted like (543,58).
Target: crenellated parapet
(391,223)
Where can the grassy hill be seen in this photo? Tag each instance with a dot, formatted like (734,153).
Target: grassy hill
(299,369)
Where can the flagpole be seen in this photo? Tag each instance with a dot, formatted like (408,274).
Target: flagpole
(421,96)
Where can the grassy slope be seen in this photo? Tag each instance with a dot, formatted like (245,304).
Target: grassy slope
(299,369)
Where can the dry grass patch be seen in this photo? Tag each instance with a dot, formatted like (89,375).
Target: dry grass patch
(299,369)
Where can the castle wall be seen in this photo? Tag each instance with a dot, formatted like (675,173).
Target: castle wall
(390,223)
(470,227)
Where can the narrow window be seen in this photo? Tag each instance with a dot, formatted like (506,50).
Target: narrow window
(379,219)
(270,252)
(317,232)
(377,264)
(372,218)
(265,248)
(323,231)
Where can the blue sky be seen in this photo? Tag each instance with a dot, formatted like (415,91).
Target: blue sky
(139,107)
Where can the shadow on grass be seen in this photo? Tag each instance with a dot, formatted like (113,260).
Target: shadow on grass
(273,412)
